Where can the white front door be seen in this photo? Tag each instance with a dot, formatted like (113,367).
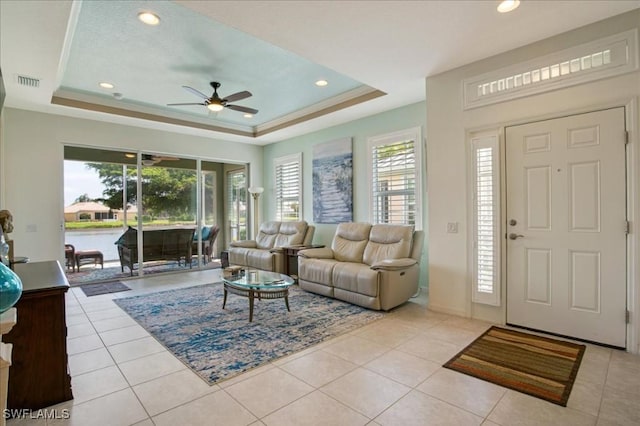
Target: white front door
(566,217)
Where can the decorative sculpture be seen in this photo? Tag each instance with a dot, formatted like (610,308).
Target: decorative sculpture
(6,222)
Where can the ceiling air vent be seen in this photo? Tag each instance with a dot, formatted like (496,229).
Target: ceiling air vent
(28,81)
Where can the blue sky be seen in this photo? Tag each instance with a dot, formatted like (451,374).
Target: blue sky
(78,180)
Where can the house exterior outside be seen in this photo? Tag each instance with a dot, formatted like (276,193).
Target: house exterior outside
(89,211)
(94,211)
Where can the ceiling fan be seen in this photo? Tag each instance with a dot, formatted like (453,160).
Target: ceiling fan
(150,160)
(215,103)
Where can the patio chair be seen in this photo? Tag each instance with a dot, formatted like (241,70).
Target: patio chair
(70,257)
(207,242)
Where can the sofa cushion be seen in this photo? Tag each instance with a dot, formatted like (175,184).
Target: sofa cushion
(291,234)
(349,241)
(206,231)
(388,242)
(355,277)
(267,234)
(260,259)
(238,256)
(317,270)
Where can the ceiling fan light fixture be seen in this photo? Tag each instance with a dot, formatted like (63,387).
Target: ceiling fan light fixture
(508,5)
(215,107)
(247,115)
(215,103)
(149,18)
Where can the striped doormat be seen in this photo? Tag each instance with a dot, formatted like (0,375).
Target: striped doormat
(540,366)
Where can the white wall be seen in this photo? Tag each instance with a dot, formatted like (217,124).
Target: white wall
(33,175)
(447,126)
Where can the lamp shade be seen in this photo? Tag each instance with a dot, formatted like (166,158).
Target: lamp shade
(256,189)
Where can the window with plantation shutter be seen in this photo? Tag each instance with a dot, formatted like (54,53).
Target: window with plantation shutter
(486,197)
(288,187)
(394,171)
(237,205)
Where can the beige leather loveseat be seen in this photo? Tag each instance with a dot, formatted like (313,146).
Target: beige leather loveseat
(265,252)
(375,266)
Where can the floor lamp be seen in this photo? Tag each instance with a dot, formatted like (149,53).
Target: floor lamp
(255,192)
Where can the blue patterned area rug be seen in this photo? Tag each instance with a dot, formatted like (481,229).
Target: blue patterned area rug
(218,344)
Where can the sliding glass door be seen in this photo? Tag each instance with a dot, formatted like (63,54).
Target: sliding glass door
(168,212)
(169,198)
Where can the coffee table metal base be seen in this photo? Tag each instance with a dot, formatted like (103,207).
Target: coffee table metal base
(251,294)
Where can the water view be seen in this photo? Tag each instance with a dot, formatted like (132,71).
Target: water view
(94,191)
(98,239)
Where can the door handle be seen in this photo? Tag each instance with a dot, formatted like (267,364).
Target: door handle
(513,236)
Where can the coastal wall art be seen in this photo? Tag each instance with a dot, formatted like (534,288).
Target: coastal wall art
(333,181)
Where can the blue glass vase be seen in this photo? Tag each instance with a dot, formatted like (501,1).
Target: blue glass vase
(10,288)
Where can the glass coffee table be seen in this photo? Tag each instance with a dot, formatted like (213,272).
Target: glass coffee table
(258,284)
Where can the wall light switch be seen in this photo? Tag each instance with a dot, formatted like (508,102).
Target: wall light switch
(452,227)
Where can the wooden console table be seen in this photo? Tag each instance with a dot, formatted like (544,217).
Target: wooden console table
(39,373)
(8,320)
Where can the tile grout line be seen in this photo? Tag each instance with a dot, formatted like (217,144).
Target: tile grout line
(130,387)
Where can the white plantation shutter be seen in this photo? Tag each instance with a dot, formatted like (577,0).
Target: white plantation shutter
(486,194)
(288,183)
(395,178)
(237,205)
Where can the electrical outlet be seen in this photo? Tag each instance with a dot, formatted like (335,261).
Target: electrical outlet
(452,227)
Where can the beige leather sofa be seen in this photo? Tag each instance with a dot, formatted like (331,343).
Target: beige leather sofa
(375,266)
(265,252)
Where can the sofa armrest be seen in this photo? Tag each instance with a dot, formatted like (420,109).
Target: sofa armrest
(394,264)
(276,250)
(244,243)
(317,253)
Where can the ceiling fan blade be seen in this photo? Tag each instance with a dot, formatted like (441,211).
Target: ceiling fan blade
(242,109)
(195,92)
(185,104)
(237,96)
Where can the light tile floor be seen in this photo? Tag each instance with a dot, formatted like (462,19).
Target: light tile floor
(386,373)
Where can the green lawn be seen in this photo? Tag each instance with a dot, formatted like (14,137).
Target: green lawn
(118,224)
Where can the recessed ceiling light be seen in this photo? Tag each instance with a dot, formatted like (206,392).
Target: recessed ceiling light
(248,115)
(129,155)
(508,5)
(149,18)
(321,83)
(106,85)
